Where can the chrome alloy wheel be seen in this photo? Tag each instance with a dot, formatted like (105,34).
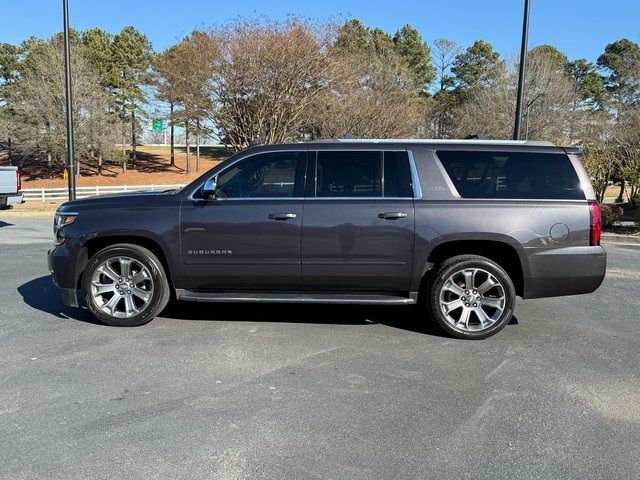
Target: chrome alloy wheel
(472,300)
(121,287)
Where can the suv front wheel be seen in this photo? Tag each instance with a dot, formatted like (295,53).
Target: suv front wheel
(471,297)
(125,285)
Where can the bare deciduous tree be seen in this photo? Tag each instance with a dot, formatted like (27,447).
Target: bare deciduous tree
(552,103)
(444,55)
(37,106)
(371,96)
(266,78)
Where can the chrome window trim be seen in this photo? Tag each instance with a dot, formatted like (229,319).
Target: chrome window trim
(332,199)
(474,200)
(415,180)
(247,199)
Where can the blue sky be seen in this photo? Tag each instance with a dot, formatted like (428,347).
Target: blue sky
(579,28)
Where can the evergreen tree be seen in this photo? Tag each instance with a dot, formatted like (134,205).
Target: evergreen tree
(131,56)
(417,54)
(589,82)
(621,64)
(477,65)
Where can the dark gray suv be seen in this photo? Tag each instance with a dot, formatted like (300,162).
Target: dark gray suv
(460,227)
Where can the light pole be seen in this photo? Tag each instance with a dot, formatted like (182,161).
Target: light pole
(522,70)
(71,177)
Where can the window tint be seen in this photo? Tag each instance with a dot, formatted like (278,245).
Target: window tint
(349,174)
(260,176)
(397,175)
(512,175)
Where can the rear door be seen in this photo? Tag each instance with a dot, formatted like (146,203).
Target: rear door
(248,238)
(358,226)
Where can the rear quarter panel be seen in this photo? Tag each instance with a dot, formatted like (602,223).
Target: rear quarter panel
(551,266)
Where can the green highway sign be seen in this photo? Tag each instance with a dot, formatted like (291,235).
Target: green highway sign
(158,125)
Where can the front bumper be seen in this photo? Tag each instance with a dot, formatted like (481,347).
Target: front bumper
(565,271)
(62,265)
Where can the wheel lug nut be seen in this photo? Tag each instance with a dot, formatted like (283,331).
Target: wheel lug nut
(466,304)
(475,304)
(128,292)
(474,292)
(463,299)
(467,292)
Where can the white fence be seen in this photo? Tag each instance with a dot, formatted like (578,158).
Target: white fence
(45,194)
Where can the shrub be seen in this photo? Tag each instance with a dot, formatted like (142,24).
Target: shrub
(611,214)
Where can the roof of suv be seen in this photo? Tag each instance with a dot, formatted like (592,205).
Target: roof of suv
(437,141)
(446,144)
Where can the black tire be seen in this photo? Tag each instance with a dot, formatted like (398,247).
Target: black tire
(161,288)
(456,264)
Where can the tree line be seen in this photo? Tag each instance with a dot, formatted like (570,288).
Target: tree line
(296,80)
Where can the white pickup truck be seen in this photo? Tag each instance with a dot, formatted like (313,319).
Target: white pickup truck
(10,186)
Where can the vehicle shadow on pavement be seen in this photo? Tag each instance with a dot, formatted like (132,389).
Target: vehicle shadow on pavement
(409,318)
(5,224)
(41,294)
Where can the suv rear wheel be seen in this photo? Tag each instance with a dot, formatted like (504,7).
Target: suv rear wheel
(471,297)
(125,285)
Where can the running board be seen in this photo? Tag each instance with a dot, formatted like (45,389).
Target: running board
(326,298)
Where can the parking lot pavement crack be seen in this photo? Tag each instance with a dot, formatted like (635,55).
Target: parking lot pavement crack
(128,417)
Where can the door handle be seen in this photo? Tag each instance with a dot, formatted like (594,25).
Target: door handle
(281,216)
(392,215)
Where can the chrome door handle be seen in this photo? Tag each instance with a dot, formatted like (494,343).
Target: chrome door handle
(392,215)
(281,216)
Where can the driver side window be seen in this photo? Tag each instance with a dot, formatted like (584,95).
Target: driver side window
(260,176)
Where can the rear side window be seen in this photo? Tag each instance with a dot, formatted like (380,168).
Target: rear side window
(397,175)
(521,175)
(349,174)
(363,174)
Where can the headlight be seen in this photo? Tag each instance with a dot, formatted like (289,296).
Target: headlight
(62,219)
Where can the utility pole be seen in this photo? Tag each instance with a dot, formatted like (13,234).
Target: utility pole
(71,178)
(522,71)
(173,158)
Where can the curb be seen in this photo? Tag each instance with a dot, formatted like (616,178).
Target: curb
(620,239)
(32,214)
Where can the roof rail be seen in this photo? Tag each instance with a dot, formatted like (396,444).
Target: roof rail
(436,141)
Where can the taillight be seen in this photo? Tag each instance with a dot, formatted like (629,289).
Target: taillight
(18,181)
(595,228)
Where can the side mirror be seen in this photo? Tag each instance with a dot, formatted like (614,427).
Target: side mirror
(209,188)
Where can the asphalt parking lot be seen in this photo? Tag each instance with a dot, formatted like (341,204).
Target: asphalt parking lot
(276,392)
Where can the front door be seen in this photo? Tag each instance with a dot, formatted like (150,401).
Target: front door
(248,237)
(358,227)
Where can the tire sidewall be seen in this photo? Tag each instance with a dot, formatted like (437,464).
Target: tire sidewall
(460,263)
(159,285)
